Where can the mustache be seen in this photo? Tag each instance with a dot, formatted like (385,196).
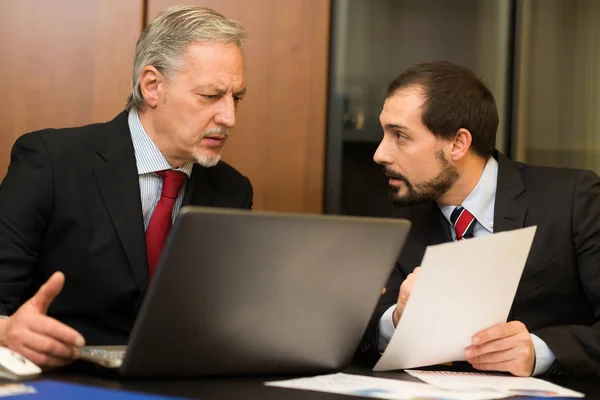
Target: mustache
(216,131)
(393,174)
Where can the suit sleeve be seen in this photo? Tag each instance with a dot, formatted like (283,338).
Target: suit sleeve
(249,195)
(26,204)
(577,347)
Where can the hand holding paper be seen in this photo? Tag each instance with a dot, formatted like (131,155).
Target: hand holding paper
(405,290)
(504,347)
(463,288)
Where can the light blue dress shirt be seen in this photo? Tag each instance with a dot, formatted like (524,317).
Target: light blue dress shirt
(480,203)
(149,160)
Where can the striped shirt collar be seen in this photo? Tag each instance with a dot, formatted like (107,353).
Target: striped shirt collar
(148,157)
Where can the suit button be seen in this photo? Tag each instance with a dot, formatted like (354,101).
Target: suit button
(137,302)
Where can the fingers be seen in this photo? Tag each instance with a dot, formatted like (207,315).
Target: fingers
(491,358)
(503,347)
(49,290)
(49,346)
(506,366)
(37,337)
(42,360)
(518,342)
(514,366)
(495,346)
(499,331)
(518,352)
(51,328)
(413,275)
(407,286)
(405,291)
(44,340)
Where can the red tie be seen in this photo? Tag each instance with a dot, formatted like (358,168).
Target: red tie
(160,222)
(464,223)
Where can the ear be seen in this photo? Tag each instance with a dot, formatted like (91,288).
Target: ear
(460,144)
(151,84)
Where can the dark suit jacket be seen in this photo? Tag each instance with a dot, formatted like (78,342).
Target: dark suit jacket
(71,202)
(558,297)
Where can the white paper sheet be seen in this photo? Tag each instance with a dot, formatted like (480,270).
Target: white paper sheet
(463,288)
(511,385)
(381,388)
(14,389)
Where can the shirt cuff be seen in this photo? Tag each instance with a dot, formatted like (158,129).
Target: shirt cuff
(544,357)
(386,328)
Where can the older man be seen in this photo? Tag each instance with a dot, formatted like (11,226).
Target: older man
(87,210)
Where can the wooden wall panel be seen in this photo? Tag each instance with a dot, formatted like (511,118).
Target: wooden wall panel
(279,140)
(64,63)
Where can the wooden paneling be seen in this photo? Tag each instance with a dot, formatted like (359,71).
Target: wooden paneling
(64,63)
(279,140)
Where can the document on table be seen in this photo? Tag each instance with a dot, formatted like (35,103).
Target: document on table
(15,389)
(510,385)
(381,388)
(463,287)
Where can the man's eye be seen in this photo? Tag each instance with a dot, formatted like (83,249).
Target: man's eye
(237,99)
(210,96)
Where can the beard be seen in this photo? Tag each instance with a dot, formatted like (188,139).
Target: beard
(206,160)
(430,190)
(210,160)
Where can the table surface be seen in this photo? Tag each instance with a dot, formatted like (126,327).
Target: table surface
(252,387)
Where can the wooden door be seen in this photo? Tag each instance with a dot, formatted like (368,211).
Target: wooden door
(64,63)
(279,140)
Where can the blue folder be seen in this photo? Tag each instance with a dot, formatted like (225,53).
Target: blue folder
(49,389)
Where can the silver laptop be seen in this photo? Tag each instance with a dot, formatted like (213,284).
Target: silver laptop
(248,293)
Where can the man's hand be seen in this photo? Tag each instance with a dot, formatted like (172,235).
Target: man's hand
(504,347)
(31,333)
(405,290)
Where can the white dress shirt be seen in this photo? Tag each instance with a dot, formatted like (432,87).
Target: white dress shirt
(480,203)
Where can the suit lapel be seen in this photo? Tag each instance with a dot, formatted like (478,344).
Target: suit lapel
(509,213)
(118,182)
(442,232)
(429,227)
(199,190)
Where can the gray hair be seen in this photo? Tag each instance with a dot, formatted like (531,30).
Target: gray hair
(163,41)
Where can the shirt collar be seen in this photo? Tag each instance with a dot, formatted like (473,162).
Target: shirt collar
(148,157)
(480,202)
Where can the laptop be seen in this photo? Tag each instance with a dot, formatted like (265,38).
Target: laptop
(241,292)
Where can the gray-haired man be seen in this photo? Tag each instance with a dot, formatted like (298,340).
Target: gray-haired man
(87,210)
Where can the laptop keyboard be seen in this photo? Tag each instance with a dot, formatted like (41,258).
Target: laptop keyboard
(111,358)
(106,354)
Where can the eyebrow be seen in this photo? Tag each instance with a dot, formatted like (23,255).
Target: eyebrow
(219,91)
(395,126)
(241,92)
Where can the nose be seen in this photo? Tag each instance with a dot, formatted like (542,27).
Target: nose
(382,155)
(225,115)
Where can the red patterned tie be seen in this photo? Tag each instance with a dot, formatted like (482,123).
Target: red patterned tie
(464,223)
(161,220)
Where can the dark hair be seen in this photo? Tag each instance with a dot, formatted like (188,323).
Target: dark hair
(455,98)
